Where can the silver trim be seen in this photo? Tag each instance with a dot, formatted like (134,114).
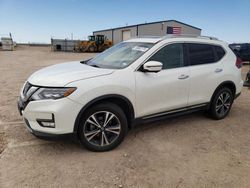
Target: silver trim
(167,36)
(31,90)
(189,36)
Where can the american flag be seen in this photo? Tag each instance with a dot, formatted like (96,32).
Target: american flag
(174,30)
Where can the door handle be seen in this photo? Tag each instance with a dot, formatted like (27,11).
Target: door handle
(183,76)
(218,70)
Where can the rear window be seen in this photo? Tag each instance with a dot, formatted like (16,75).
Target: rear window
(201,54)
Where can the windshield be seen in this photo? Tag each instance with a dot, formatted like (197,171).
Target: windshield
(120,55)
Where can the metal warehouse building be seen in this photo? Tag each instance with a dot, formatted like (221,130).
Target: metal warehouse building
(159,28)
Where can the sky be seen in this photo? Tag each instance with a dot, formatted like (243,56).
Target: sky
(39,20)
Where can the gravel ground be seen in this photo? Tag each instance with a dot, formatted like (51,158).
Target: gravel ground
(189,151)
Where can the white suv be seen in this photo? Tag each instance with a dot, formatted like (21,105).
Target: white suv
(138,80)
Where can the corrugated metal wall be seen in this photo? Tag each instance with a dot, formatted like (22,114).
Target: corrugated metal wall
(154,29)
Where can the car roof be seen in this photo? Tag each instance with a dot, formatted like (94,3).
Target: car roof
(172,38)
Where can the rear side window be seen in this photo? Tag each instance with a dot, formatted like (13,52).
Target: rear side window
(200,54)
(220,52)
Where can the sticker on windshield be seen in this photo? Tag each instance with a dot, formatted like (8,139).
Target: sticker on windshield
(139,48)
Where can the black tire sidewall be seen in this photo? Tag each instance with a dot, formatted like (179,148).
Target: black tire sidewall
(103,107)
(213,112)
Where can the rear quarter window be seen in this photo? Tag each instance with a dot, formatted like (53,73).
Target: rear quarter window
(220,52)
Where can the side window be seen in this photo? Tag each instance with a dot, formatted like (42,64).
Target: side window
(171,56)
(220,52)
(201,54)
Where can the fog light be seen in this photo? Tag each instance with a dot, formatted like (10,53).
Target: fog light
(47,124)
(50,123)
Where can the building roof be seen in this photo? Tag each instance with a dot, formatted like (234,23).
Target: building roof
(6,38)
(63,40)
(147,24)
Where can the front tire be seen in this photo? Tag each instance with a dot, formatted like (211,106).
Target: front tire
(221,103)
(102,127)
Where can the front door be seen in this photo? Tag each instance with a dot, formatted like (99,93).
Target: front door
(166,90)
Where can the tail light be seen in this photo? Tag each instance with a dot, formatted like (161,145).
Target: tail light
(238,63)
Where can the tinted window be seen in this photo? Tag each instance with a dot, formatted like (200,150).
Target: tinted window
(171,56)
(201,54)
(220,52)
(243,47)
(248,46)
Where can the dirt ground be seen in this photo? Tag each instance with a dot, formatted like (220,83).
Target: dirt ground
(189,151)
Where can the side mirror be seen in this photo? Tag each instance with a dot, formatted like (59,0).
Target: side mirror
(152,66)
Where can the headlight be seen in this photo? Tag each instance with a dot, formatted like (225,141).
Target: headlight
(52,93)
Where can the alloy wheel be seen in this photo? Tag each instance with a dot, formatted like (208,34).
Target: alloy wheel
(102,128)
(223,103)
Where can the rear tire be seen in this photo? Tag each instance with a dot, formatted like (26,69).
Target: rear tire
(102,127)
(221,103)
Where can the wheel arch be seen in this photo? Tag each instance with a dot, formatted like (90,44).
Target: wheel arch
(123,102)
(228,84)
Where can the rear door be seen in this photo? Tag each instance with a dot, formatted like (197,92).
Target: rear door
(206,70)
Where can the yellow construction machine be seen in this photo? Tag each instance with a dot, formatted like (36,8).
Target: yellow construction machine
(95,43)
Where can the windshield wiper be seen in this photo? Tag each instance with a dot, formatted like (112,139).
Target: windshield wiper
(94,65)
(85,61)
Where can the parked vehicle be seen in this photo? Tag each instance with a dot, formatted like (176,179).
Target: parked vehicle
(139,80)
(242,50)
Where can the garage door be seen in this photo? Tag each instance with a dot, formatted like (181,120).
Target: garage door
(126,35)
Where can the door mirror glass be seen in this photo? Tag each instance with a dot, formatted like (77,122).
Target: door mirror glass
(152,66)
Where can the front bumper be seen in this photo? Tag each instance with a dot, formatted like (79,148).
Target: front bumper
(45,135)
(63,111)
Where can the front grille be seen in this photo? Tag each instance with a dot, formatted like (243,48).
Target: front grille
(28,91)
(26,88)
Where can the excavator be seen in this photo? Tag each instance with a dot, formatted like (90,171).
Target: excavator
(95,43)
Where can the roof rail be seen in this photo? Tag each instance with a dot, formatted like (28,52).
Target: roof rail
(147,36)
(189,35)
(168,36)
(209,37)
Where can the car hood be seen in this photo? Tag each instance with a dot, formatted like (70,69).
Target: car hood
(61,74)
